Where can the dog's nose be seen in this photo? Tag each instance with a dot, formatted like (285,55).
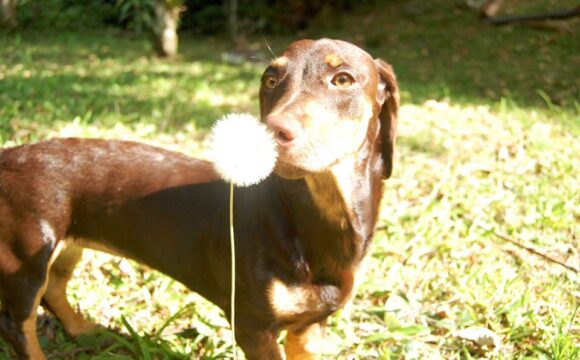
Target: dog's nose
(286,129)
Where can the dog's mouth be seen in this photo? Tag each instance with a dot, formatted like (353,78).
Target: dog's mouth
(288,164)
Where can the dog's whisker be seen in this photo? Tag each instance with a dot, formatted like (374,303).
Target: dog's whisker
(269,49)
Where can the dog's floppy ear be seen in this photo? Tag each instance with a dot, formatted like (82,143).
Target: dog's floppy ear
(388,96)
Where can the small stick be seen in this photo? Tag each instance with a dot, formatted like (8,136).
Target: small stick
(526,247)
(554,15)
(514,242)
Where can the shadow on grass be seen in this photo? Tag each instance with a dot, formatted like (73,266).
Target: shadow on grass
(123,95)
(102,344)
(102,79)
(442,48)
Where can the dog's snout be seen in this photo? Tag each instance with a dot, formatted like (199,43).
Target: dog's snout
(285,128)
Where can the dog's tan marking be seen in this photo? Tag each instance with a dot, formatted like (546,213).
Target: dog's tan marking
(73,323)
(314,112)
(55,296)
(324,142)
(304,345)
(32,346)
(329,188)
(333,60)
(279,61)
(335,203)
(327,196)
(288,301)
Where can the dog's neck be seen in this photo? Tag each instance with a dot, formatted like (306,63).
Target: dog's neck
(348,196)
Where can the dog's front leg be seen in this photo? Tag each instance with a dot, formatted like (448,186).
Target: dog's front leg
(258,344)
(306,343)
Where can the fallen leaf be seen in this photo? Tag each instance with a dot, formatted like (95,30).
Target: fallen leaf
(479,335)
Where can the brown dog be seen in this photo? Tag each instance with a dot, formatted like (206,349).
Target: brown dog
(301,233)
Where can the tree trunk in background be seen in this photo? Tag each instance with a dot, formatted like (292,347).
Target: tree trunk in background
(491,7)
(8,13)
(164,28)
(233,22)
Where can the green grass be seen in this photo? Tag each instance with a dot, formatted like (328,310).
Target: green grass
(488,137)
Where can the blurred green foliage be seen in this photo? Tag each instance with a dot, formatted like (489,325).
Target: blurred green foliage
(202,16)
(66,14)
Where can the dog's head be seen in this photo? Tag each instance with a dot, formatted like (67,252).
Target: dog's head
(325,100)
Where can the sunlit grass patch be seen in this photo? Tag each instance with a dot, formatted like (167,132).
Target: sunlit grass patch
(447,272)
(120,85)
(432,270)
(466,162)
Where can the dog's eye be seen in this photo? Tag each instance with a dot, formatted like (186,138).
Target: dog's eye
(342,80)
(269,81)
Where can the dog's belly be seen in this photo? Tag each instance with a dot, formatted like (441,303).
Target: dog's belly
(94,245)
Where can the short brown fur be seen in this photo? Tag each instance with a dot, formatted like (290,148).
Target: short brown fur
(301,234)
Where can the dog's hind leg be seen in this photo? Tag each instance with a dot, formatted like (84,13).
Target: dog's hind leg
(23,280)
(55,299)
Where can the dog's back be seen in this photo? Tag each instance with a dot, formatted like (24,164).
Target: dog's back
(70,188)
(112,167)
